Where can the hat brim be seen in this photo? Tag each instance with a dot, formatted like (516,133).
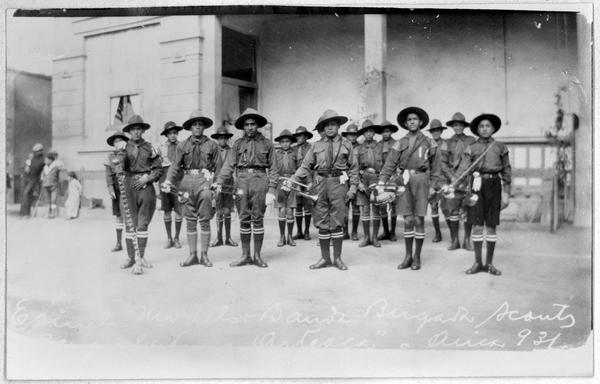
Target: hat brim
(205,120)
(341,120)
(145,126)
(291,137)
(218,135)
(111,139)
(495,120)
(344,134)
(175,127)
(306,133)
(376,128)
(423,116)
(449,123)
(392,128)
(260,120)
(441,128)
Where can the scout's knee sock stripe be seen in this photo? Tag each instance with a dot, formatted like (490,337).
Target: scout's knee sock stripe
(204,236)
(419,236)
(409,234)
(282,226)
(490,238)
(453,218)
(476,238)
(177,227)
(435,215)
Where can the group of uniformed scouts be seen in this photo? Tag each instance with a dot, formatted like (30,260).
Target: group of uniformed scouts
(468,177)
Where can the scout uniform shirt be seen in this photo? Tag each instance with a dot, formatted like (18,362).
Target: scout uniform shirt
(495,161)
(142,158)
(286,161)
(455,146)
(370,156)
(301,152)
(443,155)
(193,154)
(417,153)
(330,157)
(385,147)
(221,158)
(111,172)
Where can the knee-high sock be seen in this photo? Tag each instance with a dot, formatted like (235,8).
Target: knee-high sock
(490,245)
(324,239)
(192,234)
(419,237)
(142,237)
(204,235)
(307,218)
(281,226)
(338,239)
(408,242)
(477,246)
(177,227)
(168,221)
(290,225)
(119,230)
(245,236)
(227,220)
(258,233)
(299,216)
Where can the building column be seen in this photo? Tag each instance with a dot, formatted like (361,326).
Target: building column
(211,68)
(373,88)
(583,135)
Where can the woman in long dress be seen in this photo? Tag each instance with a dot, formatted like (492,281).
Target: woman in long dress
(74,198)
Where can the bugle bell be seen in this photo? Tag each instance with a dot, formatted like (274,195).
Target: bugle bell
(383,194)
(297,187)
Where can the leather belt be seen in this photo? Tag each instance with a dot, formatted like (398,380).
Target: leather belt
(490,175)
(334,173)
(252,170)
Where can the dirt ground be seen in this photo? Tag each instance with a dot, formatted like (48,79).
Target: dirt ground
(65,285)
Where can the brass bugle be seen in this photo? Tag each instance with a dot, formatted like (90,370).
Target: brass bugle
(297,187)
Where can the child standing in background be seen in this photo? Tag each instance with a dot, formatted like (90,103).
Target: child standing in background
(73,202)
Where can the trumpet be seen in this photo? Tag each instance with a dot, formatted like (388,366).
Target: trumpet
(383,194)
(228,189)
(297,187)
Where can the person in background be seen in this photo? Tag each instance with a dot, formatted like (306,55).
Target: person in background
(50,182)
(118,140)
(34,166)
(286,163)
(435,130)
(387,142)
(304,205)
(73,202)
(351,134)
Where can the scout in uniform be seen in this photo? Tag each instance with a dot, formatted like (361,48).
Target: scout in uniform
(304,205)
(118,141)
(286,163)
(223,201)
(50,175)
(416,156)
(33,170)
(387,141)
(351,135)
(252,155)
(196,158)
(334,161)
(142,166)
(370,160)
(491,182)
(435,129)
(455,146)
(169,202)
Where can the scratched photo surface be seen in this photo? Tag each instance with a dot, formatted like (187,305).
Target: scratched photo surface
(65,81)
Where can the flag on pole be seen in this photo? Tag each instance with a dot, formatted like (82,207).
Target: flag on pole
(124,110)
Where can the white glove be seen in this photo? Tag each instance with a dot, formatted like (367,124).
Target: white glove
(270,198)
(286,185)
(406,176)
(207,174)
(216,187)
(476,181)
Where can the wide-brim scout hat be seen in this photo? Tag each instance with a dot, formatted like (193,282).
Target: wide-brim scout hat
(368,124)
(458,118)
(221,132)
(250,113)
(436,125)
(388,125)
(286,134)
(169,126)
(116,135)
(197,116)
(423,116)
(301,130)
(495,120)
(136,121)
(327,116)
(351,129)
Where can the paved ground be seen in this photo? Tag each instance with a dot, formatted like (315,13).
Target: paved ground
(65,285)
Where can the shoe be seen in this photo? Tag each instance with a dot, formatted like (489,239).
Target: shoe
(298,236)
(322,263)
(217,243)
(407,263)
(393,237)
(383,236)
(455,244)
(291,241)
(346,236)
(281,242)
(467,244)
(259,262)
(354,236)
(475,268)
(168,244)
(204,259)
(229,241)
(437,238)
(416,264)
(191,260)
(176,243)
(144,263)
(339,264)
(364,242)
(375,242)
(244,260)
(493,271)
(128,263)
(307,235)
(118,247)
